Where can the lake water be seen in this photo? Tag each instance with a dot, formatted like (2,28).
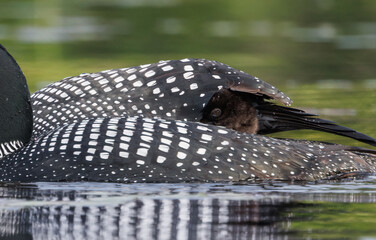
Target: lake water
(267,210)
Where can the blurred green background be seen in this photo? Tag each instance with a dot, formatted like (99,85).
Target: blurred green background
(322,53)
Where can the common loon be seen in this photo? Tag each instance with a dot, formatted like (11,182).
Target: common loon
(141,149)
(187,89)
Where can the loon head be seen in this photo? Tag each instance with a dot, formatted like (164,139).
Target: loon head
(15,107)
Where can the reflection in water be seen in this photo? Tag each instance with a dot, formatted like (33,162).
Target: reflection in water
(147,219)
(162,211)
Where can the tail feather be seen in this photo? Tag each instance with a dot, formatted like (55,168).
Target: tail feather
(273,118)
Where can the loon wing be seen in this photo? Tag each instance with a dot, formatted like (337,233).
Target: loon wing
(240,81)
(273,118)
(176,89)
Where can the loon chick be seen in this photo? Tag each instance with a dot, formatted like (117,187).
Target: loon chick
(187,89)
(140,149)
(252,114)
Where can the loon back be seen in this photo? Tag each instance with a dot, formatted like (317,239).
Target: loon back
(15,108)
(176,89)
(136,149)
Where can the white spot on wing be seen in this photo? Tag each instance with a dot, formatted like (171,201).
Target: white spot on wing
(181,155)
(149,73)
(161,159)
(164,148)
(132,77)
(142,152)
(188,75)
(184,145)
(141,162)
(175,89)
(151,83)
(188,68)
(171,79)
(193,86)
(206,137)
(201,151)
(167,68)
(138,84)
(156,91)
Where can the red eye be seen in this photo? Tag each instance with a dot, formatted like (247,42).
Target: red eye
(216,112)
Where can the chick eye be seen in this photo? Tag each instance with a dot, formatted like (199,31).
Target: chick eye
(216,112)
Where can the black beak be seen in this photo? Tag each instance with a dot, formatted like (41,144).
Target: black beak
(273,118)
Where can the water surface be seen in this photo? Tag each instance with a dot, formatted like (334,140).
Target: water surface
(275,210)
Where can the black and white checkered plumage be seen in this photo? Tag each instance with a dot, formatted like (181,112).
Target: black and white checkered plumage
(139,149)
(176,89)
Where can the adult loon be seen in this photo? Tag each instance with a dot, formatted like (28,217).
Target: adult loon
(187,89)
(141,149)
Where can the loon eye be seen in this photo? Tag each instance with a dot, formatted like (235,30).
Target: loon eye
(216,112)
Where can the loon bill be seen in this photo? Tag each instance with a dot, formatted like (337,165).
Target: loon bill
(141,149)
(138,149)
(187,89)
